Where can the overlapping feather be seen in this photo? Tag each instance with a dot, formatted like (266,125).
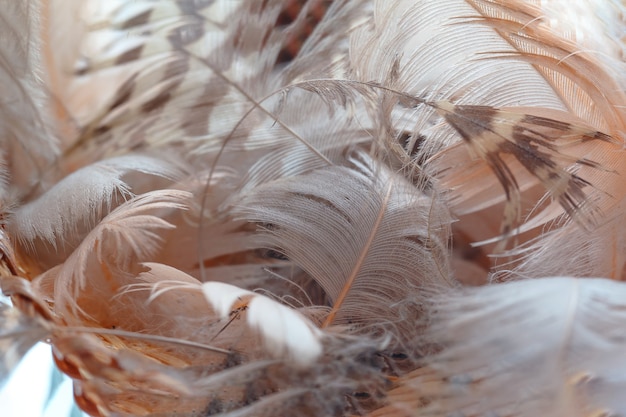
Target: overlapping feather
(311,258)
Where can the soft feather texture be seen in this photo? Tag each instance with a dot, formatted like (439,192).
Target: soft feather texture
(283,329)
(82,196)
(268,207)
(346,250)
(547,347)
(129,231)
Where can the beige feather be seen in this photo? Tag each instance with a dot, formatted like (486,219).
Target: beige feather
(267,207)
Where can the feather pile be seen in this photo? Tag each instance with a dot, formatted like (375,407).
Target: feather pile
(317,207)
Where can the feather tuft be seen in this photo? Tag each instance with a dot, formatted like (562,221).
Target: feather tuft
(283,329)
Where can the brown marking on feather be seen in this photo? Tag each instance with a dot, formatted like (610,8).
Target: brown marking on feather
(196,123)
(101,130)
(543,121)
(534,142)
(567,187)
(124,92)
(186,35)
(527,152)
(139,20)
(130,55)
(157,102)
(471,122)
(173,76)
(589,163)
(289,12)
(298,35)
(599,136)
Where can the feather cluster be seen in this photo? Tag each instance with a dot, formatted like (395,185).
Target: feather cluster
(317,207)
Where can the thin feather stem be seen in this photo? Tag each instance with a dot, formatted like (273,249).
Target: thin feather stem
(357,266)
(142,336)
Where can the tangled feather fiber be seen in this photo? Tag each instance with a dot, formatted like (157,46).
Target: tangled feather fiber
(317,207)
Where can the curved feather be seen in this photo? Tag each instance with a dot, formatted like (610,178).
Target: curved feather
(284,330)
(367,240)
(81,198)
(129,232)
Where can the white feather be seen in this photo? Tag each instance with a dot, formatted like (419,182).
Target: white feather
(284,330)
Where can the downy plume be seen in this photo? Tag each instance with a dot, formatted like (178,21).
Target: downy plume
(550,346)
(316,208)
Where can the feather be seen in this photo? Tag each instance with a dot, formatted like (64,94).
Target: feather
(81,198)
(195,57)
(536,144)
(471,66)
(283,329)
(266,207)
(546,347)
(357,271)
(129,227)
(24,95)
(231,382)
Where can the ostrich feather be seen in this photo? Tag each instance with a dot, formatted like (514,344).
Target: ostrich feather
(313,208)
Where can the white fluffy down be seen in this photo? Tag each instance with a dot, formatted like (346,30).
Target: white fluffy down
(284,330)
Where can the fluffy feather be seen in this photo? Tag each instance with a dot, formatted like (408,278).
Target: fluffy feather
(82,196)
(346,250)
(342,160)
(291,334)
(129,229)
(546,347)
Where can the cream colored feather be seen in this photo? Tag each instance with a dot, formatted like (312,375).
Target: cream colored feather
(313,207)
